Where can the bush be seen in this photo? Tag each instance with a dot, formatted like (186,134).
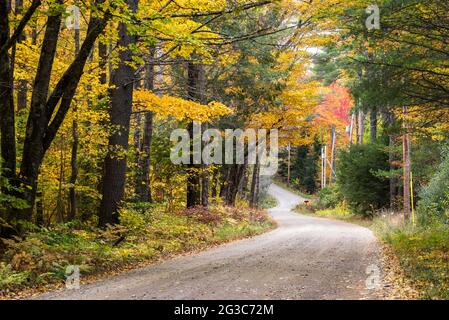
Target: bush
(422,253)
(359,179)
(328,197)
(434,203)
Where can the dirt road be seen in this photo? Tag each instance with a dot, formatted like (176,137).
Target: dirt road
(304,258)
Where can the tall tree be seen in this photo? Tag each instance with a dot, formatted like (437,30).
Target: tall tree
(48,110)
(121,96)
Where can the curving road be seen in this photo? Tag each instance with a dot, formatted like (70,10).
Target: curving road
(304,258)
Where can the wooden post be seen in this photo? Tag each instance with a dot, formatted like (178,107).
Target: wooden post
(289,164)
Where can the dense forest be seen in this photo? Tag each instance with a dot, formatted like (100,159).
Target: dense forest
(91,91)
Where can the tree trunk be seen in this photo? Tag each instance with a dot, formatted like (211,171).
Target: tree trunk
(22,85)
(103,78)
(214,188)
(373,125)
(193,179)
(75,143)
(388,120)
(60,210)
(40,209)
(120,114)
(205,180)
(143,182)
(361,126)
(235,179)
(43,122)
(253,200)
(33,150)
(406,166)
(7,119)
(205,126)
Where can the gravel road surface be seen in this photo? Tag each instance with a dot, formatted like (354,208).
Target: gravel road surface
(304,258)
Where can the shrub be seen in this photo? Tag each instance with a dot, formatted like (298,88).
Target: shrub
(434,203)
(422,252)
(359,180)
(328,197)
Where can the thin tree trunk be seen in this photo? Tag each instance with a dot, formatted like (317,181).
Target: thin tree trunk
(361,126)
(137,140)
(40,209)
(193,179)
(214,188)
(388,120)
(205,126)
(7,118)
(254,182)
(351,129)
(143,182)
(60,201)
(120,115)
(205,180)
(373,125)
(235,178)
(406,166)
(75,143)
(22,86)
(103,78)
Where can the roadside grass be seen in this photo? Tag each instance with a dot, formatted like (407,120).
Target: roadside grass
(39,262)
(268,202)
(421,252)
(284,185)
(340,212)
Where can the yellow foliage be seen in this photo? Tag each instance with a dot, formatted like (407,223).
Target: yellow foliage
(180,109)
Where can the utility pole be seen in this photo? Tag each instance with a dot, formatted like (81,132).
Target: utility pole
(333,139)
(323,166)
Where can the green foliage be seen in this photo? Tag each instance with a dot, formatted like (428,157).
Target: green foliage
(10,278)
(357,174)
(434,203)
(304,170)
(328,197)
(303,167)
(268,202)
(43,256)
(422,252)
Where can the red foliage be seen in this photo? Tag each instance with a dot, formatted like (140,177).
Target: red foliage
(336,106)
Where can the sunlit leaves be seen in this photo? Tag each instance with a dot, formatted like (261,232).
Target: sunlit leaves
(181,109)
